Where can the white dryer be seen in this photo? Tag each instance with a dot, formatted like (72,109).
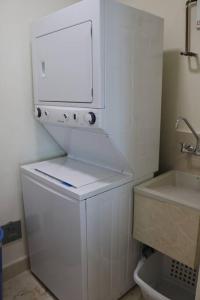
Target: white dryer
(97,73)
(79,222)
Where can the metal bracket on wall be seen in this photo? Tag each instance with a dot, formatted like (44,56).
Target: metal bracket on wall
(187,51)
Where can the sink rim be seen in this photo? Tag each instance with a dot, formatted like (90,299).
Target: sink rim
(148,189)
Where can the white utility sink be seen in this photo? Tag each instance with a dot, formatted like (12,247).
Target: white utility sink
(176,186)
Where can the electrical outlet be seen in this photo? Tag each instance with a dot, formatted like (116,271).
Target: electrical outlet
(12,232)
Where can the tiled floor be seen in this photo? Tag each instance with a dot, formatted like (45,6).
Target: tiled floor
(26,287)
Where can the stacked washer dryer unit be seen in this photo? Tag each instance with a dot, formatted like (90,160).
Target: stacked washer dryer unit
(97,69)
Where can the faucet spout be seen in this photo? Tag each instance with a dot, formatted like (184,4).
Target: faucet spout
(197,137)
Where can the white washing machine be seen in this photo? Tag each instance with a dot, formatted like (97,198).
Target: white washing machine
(79,224)
(97,78)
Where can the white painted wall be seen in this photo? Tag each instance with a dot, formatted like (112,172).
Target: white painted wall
(22,140)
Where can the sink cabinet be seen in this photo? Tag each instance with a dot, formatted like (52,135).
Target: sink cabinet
(167,226)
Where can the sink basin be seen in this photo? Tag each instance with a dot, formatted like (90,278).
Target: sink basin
(167,216)
(176,186)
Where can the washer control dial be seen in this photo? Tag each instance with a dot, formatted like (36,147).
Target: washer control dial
(90,118)
(38,112)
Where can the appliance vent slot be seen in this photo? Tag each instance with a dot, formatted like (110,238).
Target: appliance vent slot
(183,273)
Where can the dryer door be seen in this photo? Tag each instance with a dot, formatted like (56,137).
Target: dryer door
(63,65)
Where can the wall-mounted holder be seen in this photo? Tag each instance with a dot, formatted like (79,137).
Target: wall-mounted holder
(187,51)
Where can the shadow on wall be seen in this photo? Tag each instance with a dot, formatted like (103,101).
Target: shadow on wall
(171,87)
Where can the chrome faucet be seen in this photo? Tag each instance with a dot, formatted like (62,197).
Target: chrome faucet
(185,148)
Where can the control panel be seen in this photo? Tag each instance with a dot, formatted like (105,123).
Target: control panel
(69,117)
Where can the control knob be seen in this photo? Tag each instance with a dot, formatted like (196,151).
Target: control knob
(91,118)
(38,112)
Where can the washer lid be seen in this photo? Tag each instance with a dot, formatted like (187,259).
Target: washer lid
(73,172)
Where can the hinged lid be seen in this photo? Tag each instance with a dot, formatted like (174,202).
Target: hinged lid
(73,172)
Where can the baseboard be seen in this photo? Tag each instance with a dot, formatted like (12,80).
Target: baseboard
(15,268)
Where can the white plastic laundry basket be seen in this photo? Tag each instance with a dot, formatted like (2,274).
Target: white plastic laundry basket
(162,278)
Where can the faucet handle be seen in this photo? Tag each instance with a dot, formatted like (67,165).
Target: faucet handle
(186,148)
